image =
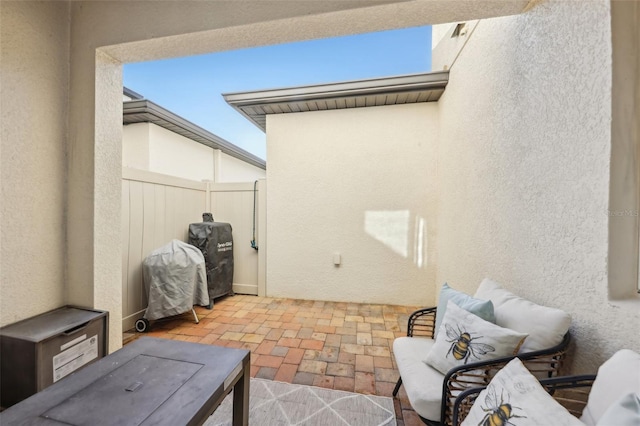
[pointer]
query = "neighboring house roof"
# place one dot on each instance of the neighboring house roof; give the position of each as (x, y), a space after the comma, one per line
(145, 111)
(131, 94)
(403, 89)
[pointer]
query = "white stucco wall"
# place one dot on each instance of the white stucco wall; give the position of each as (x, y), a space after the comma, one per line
(230, 169)
(361, 187)
(524, 168)
(147, 146)
(173, 154)
(135, 145)
(438, 32)
(34, 65)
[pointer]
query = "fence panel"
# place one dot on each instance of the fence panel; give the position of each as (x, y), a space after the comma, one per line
(158, 208)
(234, 203)
(155, 209)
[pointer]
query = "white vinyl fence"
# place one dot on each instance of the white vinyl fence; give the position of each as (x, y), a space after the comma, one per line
(158, 208)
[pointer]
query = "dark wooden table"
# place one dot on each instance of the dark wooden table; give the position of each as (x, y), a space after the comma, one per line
(148, 382)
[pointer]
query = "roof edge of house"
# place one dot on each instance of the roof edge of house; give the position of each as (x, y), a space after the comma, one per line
(255, 105)
(143, 110)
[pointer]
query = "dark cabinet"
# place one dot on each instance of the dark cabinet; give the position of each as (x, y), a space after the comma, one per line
(39, 351)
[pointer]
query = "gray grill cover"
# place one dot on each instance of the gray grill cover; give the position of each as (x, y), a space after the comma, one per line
(175, 279)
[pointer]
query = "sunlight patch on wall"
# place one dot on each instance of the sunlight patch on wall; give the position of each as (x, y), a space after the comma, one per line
(390, 228)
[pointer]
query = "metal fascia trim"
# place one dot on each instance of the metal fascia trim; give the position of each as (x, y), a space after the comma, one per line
(414, 82)
(349, 89)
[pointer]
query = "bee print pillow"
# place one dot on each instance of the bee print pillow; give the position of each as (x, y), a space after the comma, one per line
(465, 338)
(515, 397)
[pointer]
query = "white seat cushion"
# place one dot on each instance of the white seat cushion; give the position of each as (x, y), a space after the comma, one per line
(422, 383)
(545, 326)
(618, 376)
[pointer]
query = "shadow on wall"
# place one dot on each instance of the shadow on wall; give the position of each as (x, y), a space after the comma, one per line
(393, 229)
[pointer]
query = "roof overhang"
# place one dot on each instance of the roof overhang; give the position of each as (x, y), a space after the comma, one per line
(404, 89)
(145, 111)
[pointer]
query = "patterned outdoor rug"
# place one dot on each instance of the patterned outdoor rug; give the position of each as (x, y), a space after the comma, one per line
(283, 404)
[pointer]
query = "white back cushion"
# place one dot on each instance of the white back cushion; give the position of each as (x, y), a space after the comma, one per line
(545, 326)
(618, 376)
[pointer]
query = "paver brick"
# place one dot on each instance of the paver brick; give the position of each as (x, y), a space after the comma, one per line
(382, 362)
(344, 383)
(363, 327)
(286, 373)
(315, 367)
(303, 378)
(268, 361)
(353, 349)
(230, 335)
(294, 356)
(333, 340)
(288, 342)
(252, 338)
(274, 334)
(365, 383)
(323, 381)
(377, 351)
(329, 354)
(364, 363)
(265, 347)
(386, 375)
(338, 369)
(279, 351)
(363, 339)
(311, 344)
(266, 373)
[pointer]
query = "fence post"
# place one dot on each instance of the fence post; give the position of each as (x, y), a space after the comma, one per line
(262, 237)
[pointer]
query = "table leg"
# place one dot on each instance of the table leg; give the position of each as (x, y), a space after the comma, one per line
(241, 399)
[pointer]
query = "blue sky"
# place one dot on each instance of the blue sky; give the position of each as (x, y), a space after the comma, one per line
(191, 87)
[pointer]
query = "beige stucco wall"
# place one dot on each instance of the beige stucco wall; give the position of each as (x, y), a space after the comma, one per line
(362, 187)
(174, 155)
(438, 32)
(135, 146)
(524, 168)
(230, 169)
(147, 146)
(34, 85)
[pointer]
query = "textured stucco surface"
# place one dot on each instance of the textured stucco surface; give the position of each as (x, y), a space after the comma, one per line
(147, 146)
(524, 168)
(34, 65)
(135, 146)
(362, 187)
(174, 155)
(230, 169)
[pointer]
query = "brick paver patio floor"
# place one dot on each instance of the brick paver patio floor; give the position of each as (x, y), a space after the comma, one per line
(345, 346)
